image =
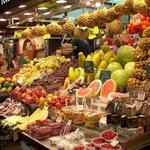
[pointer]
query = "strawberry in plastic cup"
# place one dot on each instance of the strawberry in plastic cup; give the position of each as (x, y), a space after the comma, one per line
(109, 135)
(79, 148)
(90, 146)
(107, 146)
(97, 141)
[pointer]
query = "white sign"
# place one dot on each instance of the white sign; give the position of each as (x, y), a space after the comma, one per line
(3, 2)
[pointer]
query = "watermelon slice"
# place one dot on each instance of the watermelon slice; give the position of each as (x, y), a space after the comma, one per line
(96, 86)
(108, 87)
(84, 92)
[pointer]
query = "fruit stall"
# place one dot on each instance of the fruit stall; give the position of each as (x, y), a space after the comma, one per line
(100, 101)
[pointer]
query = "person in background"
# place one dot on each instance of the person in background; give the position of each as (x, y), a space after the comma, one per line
(8, 55)
(80, 42)
(3, 66)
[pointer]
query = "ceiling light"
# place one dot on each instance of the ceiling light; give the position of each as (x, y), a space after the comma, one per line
(42, 8)
(7, 13)
(22, 6)
(15, 18)
(67, 6)
(2, 19)
(27, 14)
(97, 4)
(61, 1)
(47, 13)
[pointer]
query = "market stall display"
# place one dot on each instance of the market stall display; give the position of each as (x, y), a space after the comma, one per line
(96, 102)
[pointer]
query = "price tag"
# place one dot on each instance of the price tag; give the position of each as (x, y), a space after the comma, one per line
(76, 131)
(141, 95)
(88, 67)
(105, 75)
(114, 143)
(133, 93)
(69, 122)
(59, 119)
(148, 71)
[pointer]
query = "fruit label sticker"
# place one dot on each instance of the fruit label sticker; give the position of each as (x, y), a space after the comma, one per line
(105, 75)
(88, 67)
(148, 71)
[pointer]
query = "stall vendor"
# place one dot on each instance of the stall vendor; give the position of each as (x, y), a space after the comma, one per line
(81, 41)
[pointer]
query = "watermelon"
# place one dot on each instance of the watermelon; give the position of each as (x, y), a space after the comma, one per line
(95, 86)
(84, 92)
(108, 87)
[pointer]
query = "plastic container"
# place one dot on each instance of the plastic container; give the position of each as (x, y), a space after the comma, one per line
(107, 146)
(90, 146)
(79, 148)
(109, 135)
(97, 142)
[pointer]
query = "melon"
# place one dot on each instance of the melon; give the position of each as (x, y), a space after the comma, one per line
(84, 92)
(108, 87)
(95, 86)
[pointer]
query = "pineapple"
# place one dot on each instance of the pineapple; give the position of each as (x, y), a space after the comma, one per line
(147, 2)
(146, 32)
(144, 43)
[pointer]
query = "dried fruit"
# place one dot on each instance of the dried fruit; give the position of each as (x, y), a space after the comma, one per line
(144, 43)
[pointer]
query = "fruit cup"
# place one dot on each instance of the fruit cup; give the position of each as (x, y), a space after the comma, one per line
(90, 146)
(107, 146)
(109, 135)
(97, 142)
(79, 148)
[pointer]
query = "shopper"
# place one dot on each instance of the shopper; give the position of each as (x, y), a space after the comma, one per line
(81, 41)
(8, 55)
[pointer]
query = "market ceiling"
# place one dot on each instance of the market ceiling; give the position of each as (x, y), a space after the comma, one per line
(18, 14)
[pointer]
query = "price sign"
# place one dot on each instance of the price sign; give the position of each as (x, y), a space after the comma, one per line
(141, 95)
(88, 67)
(148, 71)
(105, 75)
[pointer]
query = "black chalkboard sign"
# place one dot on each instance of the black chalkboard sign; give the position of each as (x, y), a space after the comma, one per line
(88, 67)
(105, 75)
(148, 71)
